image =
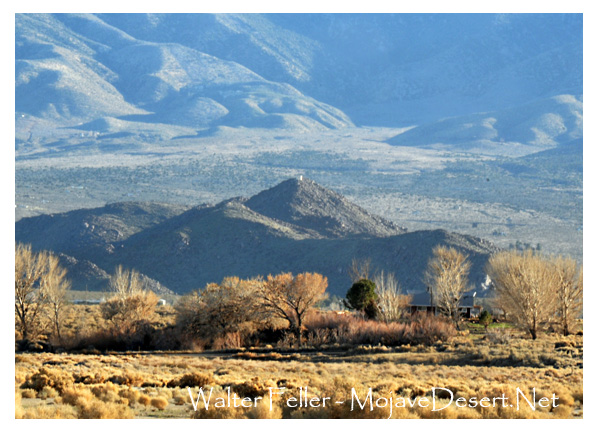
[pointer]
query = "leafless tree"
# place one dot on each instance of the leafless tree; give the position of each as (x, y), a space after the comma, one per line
(392, 304)
(525, 284)
(569, 293)
(359, 269)
(229, 307)
(125, 283)
(131, 307)
(41, 285)
(447, 277)
(30, 295)
(56, 285)
(290, 298)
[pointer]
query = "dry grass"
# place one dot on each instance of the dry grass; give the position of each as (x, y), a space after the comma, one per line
(332, 328)
(105, 410)
(49, 412)
(84, 386)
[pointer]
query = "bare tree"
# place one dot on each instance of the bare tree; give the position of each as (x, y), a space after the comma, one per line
(569, 293)
(131, 307)
(525, 284)
(30, 295)
(125, 283)
(290, 298)
(56, 285)
(447, 276)
(392, 304)
(359, 269)
(229, 307)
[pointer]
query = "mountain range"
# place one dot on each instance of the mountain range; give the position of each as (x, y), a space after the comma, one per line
(174, 75)
(297, 225)
(467, 122)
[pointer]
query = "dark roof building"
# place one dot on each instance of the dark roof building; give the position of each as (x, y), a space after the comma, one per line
(423, 301)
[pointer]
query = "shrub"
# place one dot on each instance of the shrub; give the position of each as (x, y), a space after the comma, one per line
(231, 340)
(262, 410)
(97, 378)
(105, 410)
(107, 392)
(193, 379)
(485, 318)
(128, 378)
(77, 396)
(429, 329)
(349, 329)
(129, 394)
(49, 412)
(499, 336)
(49, 378)
(180, 399)
(252, 389)
(159, 402)
(144, 399)
(47, 392)
(18, 404)
(131, 310)
(28, 394)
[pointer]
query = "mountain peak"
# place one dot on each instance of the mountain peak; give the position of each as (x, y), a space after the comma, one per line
(305, 203)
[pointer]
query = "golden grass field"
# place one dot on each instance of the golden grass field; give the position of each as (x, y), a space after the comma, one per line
(154, 384)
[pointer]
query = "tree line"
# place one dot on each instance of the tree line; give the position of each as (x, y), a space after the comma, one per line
(532, 290)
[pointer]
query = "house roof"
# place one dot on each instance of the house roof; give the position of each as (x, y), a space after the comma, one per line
(423, 298)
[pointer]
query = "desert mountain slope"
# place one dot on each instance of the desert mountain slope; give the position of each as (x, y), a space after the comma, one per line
(57, 74)
(300, 72)
(76, 67)
(306, 228)
(305, 203)
(530, 128)
(87, 233)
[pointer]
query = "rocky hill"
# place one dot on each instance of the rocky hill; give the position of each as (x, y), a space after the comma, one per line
(295, 226)
(87, 233)
(304, 203)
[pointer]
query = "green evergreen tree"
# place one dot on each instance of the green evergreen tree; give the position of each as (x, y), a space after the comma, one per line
(485, 318)
(362, 297)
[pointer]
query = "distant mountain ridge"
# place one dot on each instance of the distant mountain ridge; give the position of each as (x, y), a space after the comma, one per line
(299, 72)
(307, 228)
(73, 68)
(541, 124)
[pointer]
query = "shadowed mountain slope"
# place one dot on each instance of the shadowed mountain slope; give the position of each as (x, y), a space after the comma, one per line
(87, 233)
(295, 226)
